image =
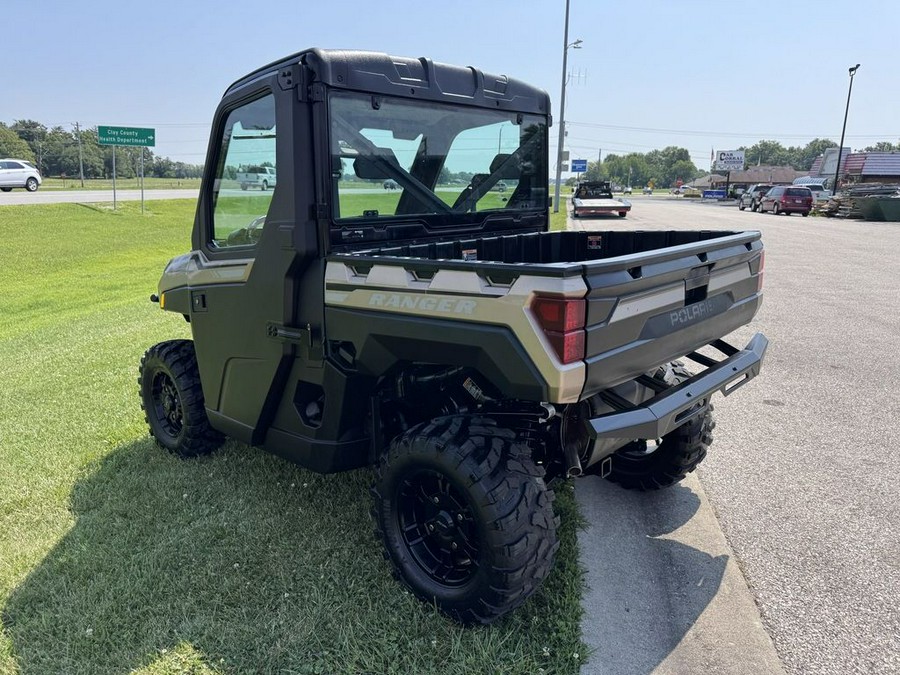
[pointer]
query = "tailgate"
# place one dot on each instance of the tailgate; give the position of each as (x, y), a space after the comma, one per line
(649, 308)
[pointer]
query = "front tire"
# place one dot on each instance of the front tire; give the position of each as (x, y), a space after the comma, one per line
(172, 400)
(622, 214)
(465, 517)
(652, 465)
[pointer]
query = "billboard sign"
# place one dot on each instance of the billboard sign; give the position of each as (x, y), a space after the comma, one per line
(730, 160)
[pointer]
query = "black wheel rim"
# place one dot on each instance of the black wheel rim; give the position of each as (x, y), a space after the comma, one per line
(438, 527)
(167, 405)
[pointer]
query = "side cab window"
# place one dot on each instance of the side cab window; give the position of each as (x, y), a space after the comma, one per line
(246, 175)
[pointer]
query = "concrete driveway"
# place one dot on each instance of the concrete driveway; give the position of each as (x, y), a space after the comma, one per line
(800, 476)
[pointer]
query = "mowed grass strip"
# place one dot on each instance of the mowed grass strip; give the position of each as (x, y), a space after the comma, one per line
(117, 557)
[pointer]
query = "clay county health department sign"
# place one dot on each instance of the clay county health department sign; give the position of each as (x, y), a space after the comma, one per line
(730, 160)
(126, 136)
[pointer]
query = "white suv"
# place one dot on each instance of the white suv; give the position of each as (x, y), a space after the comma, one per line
(17, 173)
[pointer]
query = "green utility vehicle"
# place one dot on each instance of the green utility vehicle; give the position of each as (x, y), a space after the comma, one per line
(437, 331)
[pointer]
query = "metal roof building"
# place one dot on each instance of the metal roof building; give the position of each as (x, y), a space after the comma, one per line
(863, 167)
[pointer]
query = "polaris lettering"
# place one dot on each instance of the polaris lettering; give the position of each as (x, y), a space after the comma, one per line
(691, 313)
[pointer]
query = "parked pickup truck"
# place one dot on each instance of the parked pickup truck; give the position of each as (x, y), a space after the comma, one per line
(595, 198)
(262, 177)
(447, 339)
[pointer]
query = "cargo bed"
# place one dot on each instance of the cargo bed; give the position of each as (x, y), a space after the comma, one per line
(650, 296)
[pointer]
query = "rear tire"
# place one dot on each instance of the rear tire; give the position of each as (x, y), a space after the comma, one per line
(741, 206)
(172, 400)
(775, 210)
(804, 213)
(652, 465)
(465, 517)
(31, 184)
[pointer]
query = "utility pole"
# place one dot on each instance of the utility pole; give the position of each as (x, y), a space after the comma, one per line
(837, 169)
(80, 156)
(562, 110)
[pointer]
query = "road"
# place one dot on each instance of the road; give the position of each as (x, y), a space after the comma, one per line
(801, 473)
(17, 197)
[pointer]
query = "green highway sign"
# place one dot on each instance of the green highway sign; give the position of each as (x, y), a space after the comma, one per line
(126, 136)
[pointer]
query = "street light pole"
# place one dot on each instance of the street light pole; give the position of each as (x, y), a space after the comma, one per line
(837, 169)
(562, 109)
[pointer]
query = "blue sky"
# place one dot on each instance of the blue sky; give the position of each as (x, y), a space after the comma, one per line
(699, 75)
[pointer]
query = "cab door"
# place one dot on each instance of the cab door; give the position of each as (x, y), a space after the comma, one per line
(242, 262)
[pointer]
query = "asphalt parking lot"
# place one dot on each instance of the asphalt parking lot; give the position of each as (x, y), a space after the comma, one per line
(801, 475)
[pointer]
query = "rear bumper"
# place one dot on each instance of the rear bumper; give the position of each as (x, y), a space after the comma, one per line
(678, 405)
(600, 210)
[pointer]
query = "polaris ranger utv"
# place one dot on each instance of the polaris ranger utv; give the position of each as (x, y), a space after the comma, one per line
(438, 331)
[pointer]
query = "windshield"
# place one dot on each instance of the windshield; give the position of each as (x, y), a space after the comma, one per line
(394, 158)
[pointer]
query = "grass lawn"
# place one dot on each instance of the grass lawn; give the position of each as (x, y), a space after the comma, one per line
(116, 557)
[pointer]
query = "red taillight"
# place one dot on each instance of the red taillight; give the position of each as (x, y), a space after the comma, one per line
(559, 314)
(562, 320)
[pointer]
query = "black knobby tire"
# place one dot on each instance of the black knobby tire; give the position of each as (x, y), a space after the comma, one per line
(466, 519)
(651, 465)
(172, 400)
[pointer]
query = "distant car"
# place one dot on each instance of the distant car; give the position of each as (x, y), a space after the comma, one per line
(751, 197)
(648, 191)
(819, 193)
(501, 186)
(19, 173)
(626, 190)
(390, 184)
(787, 199)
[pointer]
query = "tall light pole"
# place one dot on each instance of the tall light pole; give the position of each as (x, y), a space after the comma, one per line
(562, 109)
(837, 169)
